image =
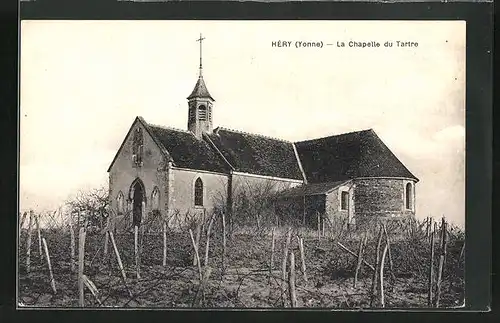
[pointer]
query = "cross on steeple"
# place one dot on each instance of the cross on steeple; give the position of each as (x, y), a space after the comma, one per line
(201, 43)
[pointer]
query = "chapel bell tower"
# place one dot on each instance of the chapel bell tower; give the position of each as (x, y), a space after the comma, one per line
(200, 104)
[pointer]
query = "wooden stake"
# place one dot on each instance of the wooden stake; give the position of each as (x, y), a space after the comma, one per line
(81, 264)
(136, 251)
(142, 226)
(319, 223)
(106, 239)
(431, 270)
(360, 258)
(28, 244)
(207, 245)
(198, 236)
(223, 240)
(302, 257)
(353, 254)
(106, 243)
(40, 252)
(441, 262)
(374, 277)
(164, 244)
(445, 240)
(283, 266)
(197, 256)
(117, 254)
(90, 285)
(23, 218)
(381, 279)
(52, 282)
(438, 283)
(388, 241)
(291, 281)
(431, 226)
(72, 246)
(271, 262)
(303, 212)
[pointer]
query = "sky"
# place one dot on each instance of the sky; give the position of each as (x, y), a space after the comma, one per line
(84, 82)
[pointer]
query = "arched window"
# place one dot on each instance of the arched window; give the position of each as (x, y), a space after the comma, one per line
(344, 200)
(408, 196)
(119, 203)
(155, 199)
(202, 113)
(198, 192)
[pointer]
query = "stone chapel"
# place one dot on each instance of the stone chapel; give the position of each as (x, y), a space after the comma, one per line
(161, 170)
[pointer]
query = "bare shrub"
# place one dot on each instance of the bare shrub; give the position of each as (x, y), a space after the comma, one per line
(91, 207)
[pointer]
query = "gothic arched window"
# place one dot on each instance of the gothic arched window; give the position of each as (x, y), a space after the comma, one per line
(138, 147)
(198, 192)
(155, 199)
(120, 203)
(408, 196)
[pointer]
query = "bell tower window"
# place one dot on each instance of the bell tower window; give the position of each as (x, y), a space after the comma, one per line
(192, 114)
(202, 113)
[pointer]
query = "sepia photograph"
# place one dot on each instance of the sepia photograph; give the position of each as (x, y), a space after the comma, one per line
(242, 164)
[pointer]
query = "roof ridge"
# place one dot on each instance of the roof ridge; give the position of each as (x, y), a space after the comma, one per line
(251, 134)
(338, 135)
(167, 127)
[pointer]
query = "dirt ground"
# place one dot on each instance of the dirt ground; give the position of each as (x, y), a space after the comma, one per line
(245, 282)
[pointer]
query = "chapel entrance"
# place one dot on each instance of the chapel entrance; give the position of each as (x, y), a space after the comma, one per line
(137, 203)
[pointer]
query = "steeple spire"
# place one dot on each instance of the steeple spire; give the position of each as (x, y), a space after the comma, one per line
(200, 103)
(201, 53)
(200, 89)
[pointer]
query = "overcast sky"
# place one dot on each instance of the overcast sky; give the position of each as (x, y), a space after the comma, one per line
(84, 82)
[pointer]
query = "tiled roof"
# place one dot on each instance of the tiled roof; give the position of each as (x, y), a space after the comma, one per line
(256, 154)
(187, 151)
(347, 156)
(326, 161)
(311, 189)
(200, 90)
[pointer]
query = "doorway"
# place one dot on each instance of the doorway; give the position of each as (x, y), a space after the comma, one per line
(137, 202)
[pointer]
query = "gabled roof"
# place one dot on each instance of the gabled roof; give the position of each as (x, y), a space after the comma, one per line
(256, 154)
(311, 189)
(182, 148)
(330, 161)
(200, 90)
(187, 151)
(347, 156)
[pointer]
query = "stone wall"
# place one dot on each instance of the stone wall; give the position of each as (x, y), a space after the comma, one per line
(182, 191)
(334, 211)
(123, 173)
(382, 197)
